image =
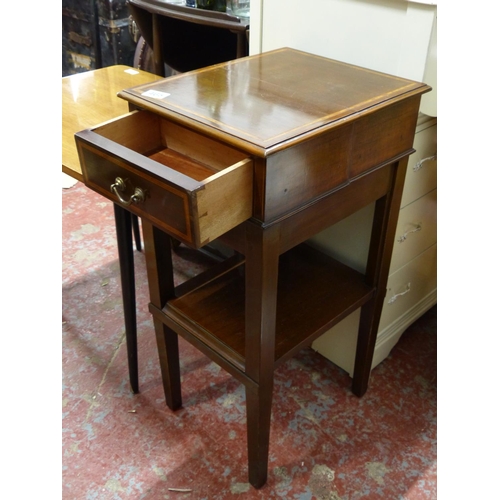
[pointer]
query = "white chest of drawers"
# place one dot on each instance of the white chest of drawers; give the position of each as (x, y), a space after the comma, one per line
(412, 284)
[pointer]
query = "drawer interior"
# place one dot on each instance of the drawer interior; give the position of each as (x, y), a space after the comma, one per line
(172, 145)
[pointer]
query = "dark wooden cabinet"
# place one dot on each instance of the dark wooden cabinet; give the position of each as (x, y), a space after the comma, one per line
(186, 38)
(95, 34)
(264, 152)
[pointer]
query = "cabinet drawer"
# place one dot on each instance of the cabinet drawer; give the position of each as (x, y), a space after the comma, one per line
(416, 230)
(409, 285)
(189, 185)
(421, 173)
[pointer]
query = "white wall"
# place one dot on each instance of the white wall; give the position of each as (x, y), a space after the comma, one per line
(392, 36)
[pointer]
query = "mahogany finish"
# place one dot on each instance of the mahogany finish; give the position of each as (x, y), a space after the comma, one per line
(204, 198)
(323, 139)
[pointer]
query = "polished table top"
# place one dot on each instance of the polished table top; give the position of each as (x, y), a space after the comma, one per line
(91, 98)
(264, 102)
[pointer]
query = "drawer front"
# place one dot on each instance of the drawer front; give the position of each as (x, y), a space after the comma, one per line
(164, 205)
(421, 174)
(416, 230)
(409, 285)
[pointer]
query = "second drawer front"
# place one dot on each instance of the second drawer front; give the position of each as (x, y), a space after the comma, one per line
(409, 285)
(416, 230)
(421, 173)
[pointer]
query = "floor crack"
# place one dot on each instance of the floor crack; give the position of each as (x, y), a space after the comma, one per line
(93, 398)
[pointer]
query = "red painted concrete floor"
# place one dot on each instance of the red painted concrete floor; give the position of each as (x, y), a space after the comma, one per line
(325, 442)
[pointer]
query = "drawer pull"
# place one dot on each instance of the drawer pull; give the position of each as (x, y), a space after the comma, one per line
(420, 163)
(418, 227)
(119, 185)
(395, 297)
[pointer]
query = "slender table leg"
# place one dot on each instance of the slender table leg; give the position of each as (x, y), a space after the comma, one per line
(259, 406)
(261, 283)
(158, 250)
(379, 259)
(137, 232)
(123, 225)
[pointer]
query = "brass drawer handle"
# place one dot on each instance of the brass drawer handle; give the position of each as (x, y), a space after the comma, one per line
(119, 185)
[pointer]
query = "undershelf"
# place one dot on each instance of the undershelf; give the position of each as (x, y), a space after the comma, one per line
(314, 293)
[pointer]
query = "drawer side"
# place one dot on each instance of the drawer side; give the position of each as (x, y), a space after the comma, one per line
(225, 201)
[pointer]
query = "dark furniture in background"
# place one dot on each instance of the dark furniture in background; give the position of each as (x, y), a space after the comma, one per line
(185, 38)
(95, 34)
(100, 33)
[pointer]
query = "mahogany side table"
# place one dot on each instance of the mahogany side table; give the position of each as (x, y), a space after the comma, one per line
(263, 152)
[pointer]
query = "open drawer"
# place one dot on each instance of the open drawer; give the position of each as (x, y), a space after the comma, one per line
(189, 185)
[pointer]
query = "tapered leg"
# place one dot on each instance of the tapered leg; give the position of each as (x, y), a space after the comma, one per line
(379, 259)
(261, 283)
(168, 352)
(137, 232)
(365, 348)
(126, 259)
(158, 250)
(258, 432)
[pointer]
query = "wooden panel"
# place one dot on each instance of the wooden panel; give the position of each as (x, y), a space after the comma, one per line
(137, 131)
(299, 226)
(306, 171)
(381, 135)
(225, 200)
(335, 207)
